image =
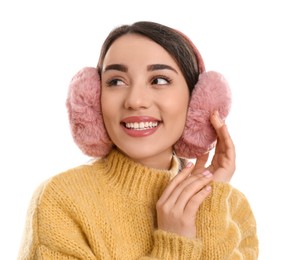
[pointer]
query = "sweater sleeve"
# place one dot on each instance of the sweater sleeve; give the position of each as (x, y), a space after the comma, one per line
(49, 232)
(168, 246)
(226, 229)
(226, 225)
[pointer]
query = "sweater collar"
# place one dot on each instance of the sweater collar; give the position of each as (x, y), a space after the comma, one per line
(132, 179)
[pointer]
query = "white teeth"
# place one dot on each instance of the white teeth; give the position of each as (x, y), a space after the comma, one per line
(141, 125)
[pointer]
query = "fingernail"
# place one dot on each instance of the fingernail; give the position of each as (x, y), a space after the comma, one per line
(189, 165)
(218, 119)
(216, 113)
(207, 174)
(208, 188)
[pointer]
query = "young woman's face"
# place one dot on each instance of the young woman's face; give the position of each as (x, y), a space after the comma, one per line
(144, 99)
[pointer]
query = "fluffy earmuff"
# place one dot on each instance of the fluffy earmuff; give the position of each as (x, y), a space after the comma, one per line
(211, 93)
(84, 110)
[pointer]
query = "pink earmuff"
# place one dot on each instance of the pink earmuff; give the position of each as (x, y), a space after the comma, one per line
(84, 108)
(211, 93)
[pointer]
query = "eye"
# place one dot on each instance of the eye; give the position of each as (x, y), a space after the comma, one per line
(161, 80)
(114, 82)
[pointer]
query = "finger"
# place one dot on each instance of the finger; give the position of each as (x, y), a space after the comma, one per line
(201, 162)
(225, 154)
(186, 192)
(216, 121)
(227, 138)
(224, 139)
(176, 181)
(195, 202)
(188, 187)
(172, 193)
(225, 142)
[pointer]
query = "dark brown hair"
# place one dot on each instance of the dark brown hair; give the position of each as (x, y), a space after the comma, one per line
(176, 44)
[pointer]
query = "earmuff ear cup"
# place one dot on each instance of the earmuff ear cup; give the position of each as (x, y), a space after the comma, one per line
(84, 111)
(211, 93)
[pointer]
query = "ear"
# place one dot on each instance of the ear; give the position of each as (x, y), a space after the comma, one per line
(211, 93)
(85, 116)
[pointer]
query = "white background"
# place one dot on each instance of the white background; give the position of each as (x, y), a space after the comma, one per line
(44, 43)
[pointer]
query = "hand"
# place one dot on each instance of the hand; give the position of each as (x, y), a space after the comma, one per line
(180, 201)
(223, 162)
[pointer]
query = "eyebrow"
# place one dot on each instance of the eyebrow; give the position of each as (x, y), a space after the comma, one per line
(118, 67)
(160, 67)
(153, 67)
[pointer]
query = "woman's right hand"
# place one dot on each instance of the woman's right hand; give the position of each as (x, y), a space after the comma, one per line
(180, 201)
(223, 162)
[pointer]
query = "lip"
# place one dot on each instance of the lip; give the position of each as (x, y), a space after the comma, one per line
(139, 119)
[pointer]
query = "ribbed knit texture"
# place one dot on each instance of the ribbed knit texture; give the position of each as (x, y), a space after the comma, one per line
(106, 210)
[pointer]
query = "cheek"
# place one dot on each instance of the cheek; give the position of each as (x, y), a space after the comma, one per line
(103, 106)
(107, 116)
(110, 108)
(181, 111)
(106, 104)
(106, 109)
(177, 110)
(178, 105)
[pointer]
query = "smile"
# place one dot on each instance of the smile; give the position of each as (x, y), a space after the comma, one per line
(141, 125)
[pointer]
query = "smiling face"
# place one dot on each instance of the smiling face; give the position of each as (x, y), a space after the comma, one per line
(144, 99)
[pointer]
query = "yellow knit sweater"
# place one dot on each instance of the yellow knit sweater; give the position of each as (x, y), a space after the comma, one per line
(106, 210)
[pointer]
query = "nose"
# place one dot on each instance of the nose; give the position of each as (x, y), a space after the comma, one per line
(138, 97)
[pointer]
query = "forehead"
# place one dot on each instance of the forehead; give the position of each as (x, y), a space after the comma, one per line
(135, 47)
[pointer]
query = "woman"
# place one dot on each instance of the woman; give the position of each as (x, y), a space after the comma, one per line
(142, 198)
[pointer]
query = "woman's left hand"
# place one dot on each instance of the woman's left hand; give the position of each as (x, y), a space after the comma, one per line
(223, 162)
